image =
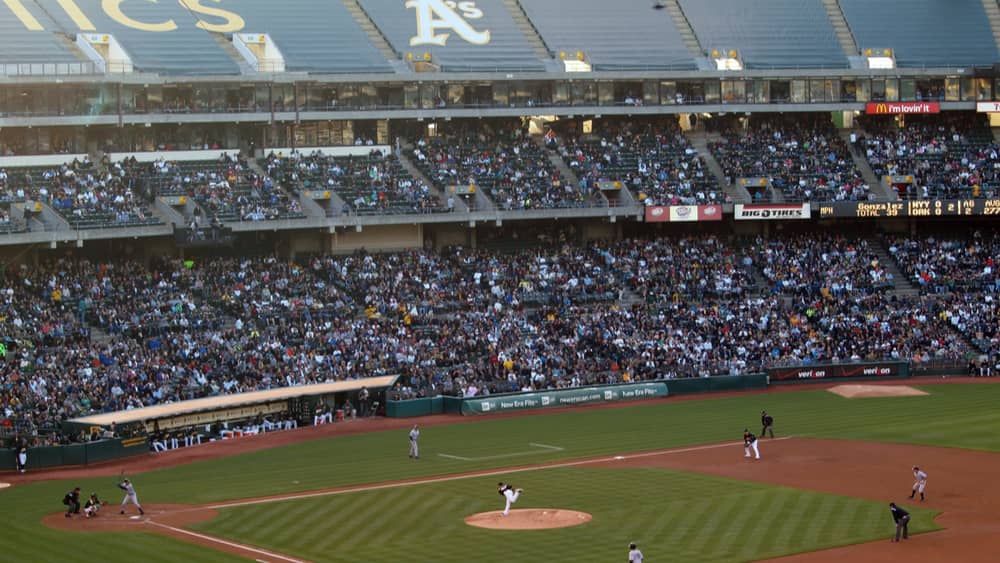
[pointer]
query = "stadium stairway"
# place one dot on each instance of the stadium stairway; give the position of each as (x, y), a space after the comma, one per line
(225, 42)
(460, 205)
(687, 32)
(375, 35)
(528, 30)
(993, 15)
(861, 163)
(904, 286)
(699, 140)
(843, 30)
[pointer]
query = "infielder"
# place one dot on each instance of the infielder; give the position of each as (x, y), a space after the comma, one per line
(130, 496)
(414, 435)
(750, 442)
(919, 482)
(510, 495)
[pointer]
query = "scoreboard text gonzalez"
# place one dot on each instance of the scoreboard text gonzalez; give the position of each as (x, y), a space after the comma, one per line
(915, 208)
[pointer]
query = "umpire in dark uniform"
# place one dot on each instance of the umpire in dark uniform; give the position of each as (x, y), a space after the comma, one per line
(72, 502)
(766, 424)
(902, 519)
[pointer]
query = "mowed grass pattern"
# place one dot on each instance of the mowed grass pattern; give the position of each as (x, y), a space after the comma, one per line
(675, 516)
(952, 415)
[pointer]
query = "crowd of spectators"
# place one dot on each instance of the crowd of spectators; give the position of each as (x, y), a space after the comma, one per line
(801, 155)
(372, 183)
(942, 264)
(949, 156)
(833, 266)
(654, 161)
(506, 163)
(227, 188)
(456, 321)
(85, 196)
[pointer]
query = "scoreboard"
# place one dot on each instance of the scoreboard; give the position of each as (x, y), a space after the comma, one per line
(914, 208)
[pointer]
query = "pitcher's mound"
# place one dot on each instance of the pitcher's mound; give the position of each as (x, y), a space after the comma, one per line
(867, 391)
(528, 519)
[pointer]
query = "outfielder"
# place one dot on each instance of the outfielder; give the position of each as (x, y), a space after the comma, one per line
(414, 435)
(130, 496)
(919, 482)
(750, 442)
(510, 495)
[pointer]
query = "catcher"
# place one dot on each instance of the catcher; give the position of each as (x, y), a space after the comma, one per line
(93, 506)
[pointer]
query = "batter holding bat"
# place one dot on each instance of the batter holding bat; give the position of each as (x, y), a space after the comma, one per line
(130, 496)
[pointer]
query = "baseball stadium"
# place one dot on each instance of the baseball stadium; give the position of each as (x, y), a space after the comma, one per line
(500, 280)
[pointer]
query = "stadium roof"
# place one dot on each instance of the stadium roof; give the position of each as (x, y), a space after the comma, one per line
(194, 37)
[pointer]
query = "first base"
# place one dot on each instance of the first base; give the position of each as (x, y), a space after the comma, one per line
(135, 517)
(619, 457)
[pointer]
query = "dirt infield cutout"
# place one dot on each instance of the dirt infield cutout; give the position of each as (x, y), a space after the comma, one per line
(855, 391)
(528, 519)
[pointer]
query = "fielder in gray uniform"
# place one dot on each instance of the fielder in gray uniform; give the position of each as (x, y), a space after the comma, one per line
(414, 436)
(130, 496)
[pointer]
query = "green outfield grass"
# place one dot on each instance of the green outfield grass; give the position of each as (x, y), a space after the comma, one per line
(952, 415)
(674, 516)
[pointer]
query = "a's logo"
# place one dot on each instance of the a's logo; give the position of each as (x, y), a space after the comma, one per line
(656, 211)
(433, 15)
(609, 395)
(546, 401)
(711, 210)
(485, 405)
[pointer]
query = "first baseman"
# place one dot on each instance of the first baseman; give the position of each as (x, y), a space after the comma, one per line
(919, 482)
(750, 442)
(130, 496)
(510, 495)
(414, 436)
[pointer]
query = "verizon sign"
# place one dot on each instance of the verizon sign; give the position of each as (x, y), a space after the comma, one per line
(892, 108)
(771, 212)
(988, 107)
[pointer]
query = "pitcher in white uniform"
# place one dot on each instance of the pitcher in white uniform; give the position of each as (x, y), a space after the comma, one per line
(510, 495)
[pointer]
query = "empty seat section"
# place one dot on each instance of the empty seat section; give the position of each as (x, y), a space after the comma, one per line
(626, 35)
(184, 49)
(472, 36)
(314, 35)
(924, 32)
(768, 33)
(21, 45)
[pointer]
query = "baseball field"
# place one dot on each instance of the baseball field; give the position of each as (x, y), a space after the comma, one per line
(668, 474)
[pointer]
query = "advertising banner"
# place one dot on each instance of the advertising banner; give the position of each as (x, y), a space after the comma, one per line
(892, 108)
(838, 371)
(771, 212)
(683, 213)
(563, 397)
(988, 107)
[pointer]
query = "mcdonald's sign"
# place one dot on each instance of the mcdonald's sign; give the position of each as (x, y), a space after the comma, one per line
(892, 108)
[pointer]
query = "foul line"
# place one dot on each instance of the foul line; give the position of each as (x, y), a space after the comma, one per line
(474, 475)
(502, 456)
(226, 543)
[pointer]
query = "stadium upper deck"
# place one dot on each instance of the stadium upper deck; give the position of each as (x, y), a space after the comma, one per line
(237, 37)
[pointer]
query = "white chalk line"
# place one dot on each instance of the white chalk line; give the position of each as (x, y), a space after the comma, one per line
(539, 449)
(221, 541)
(476, 475)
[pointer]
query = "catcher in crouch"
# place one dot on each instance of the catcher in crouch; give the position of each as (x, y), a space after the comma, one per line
(510, 495)
(93, 506)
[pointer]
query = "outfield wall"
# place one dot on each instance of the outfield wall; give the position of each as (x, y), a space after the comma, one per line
(77, 454)
(596, 394)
